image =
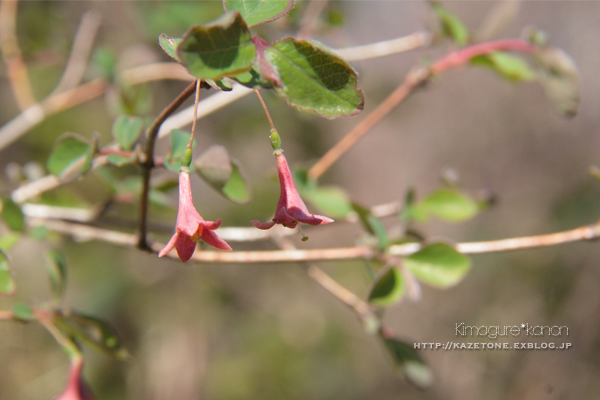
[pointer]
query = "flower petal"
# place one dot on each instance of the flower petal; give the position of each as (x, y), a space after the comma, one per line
(315, 220)
(215, 241)
(211, 225)
(169, 246)
(185, 248)
(263, 225)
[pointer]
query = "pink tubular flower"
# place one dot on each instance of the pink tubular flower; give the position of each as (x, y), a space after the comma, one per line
(190, 226)
(290, 209)
(76, 388)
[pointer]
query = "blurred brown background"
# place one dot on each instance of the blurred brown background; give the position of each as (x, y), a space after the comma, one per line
(268, 331)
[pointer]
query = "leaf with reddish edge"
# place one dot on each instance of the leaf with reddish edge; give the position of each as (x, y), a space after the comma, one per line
(221, 48)
(315, 79)
(169, 45)
(256, 12)
(265, 68)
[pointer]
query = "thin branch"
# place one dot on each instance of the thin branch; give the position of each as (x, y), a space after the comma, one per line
(413, 79)
(362, 308)
(148, 163)
(6, 315)
(85, 232)
(264, 106)
(11, 52)
(460, 57)
(416, 77)
(155, 72)
(387, 47)
(35, 114)
(80, 52)
(310, 19)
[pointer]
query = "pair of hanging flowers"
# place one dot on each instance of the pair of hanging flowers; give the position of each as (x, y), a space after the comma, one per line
(191, 227)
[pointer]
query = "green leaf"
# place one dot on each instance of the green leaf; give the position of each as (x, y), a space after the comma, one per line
(57, 274)
(236, 188)
(558, 75)
(438, 264)
(131, 99)
(12, 215)
(219, 84)
(96, 333)
(451, 25)
(331, 200)
(120, 161)
(252, 79)
(408, 363)
(23, 312)
(219, 49)
(256, 12)
(126, 130)
(413, 211)
(223, 174)
(7, 284)
(450, 204)
(179, 140)
(71, 157)
(315, 79)
(510, 67)
(169, 45)
(387, 288)
(8, 240)
(372, 224)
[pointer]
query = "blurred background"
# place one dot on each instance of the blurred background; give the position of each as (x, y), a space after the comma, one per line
(267, 330)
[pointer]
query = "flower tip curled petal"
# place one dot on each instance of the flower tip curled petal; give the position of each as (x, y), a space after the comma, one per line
(214, 240)
(262, 225)
(316, 220)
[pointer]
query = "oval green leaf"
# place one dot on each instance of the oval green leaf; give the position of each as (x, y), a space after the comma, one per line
(256, 12)
(12, 215)
(169, 45)
(179, 140)
(510, 67)
(438, 264)
(57, 274)
(7, 284)
(559, 77)
(70, 158)
(451, 25)
(450, 204)
(331, 200)
(219, 49)
(315, 79)
(217, 169)
(408, 362)
(388, 288)
(93, 331)
(126, 130)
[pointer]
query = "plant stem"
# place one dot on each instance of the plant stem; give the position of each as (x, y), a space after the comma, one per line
(11, 52)
(415, 77)
(583, 233)
(148, 163)
(195, 118)
(264, 106)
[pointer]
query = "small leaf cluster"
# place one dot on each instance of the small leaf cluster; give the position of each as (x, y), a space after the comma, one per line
(307, 74)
